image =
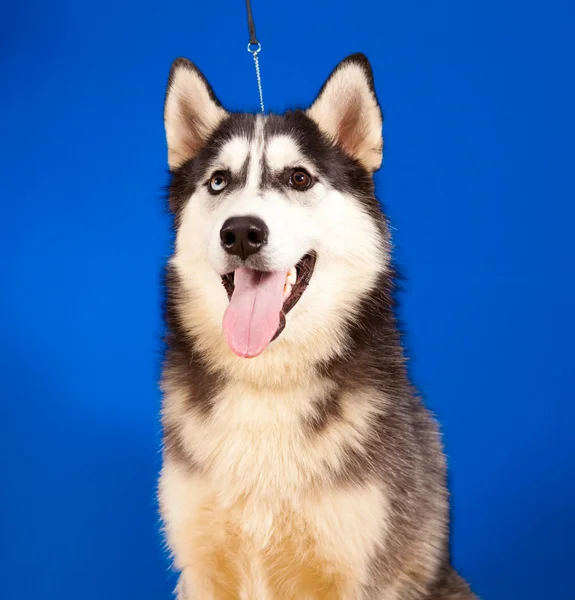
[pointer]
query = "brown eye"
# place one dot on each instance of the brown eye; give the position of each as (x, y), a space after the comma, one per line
(300, 180)
(218, 182)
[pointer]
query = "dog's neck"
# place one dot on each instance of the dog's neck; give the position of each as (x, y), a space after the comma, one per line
(370, 344)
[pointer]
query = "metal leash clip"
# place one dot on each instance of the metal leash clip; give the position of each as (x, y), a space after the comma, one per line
(254, 48)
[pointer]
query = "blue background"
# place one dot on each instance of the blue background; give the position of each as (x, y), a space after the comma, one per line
(478, 180)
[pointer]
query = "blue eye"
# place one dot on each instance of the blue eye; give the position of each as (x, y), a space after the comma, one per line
(218, 182)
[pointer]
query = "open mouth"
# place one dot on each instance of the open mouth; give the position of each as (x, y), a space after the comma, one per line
(259, 302)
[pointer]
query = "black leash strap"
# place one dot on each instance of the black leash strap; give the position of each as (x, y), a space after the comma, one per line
(254, 48)
(251, 24)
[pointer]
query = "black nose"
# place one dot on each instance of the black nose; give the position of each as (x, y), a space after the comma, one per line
(243, 236)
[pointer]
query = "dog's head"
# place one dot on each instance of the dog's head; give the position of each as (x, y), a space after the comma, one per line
(278, 234)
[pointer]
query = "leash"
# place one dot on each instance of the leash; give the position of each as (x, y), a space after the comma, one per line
(254, 48)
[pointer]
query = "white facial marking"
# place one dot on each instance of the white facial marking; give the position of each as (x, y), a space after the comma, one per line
(282, 151)
(234, 154)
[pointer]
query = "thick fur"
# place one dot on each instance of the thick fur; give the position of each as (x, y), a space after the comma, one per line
(313, 470)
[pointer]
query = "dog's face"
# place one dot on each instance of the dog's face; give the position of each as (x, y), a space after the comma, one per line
(279, 235)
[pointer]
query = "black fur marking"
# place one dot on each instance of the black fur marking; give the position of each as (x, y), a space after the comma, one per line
(403, 442)
(183, 364)
(174, 445)
(186, 179)
(242, 177)
(336, 168)
(327, 410)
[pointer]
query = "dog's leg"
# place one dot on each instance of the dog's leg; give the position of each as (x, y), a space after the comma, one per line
(204, 550)
(254, 585)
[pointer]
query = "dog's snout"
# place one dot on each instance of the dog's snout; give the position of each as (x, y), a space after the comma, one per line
(243, 236)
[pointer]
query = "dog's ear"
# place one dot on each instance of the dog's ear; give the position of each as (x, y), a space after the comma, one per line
(191, 112)
(347, 111)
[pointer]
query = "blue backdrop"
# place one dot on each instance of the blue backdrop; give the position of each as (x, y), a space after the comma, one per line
(478, 180)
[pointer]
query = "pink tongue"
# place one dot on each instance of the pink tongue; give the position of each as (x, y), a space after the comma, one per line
(253, 316)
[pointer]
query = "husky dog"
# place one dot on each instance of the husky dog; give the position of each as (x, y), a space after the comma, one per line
(299, 462)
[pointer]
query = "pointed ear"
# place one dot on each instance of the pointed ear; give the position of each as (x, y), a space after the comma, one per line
(191, 112)
(347, 111)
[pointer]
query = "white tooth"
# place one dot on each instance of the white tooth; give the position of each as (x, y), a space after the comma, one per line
(287, 290)
(292, 276)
